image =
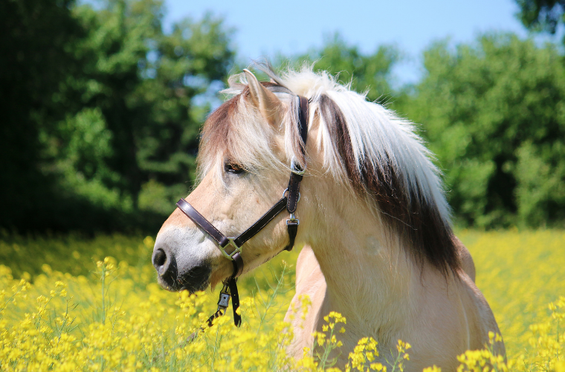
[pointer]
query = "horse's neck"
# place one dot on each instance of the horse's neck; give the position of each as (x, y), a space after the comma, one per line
(370, 279)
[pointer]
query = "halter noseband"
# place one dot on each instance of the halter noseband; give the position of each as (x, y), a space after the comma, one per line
(289, 201)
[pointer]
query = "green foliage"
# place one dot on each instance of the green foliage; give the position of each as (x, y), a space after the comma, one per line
(102, 110)
(151, 89)
(541, 15)
(36, 48)
(494, 115)
(98, 103)
(189, 66)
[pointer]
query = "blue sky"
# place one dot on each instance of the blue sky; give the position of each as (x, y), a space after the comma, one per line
(263, 28)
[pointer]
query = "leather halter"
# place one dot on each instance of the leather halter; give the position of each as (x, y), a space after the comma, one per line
(289, 201)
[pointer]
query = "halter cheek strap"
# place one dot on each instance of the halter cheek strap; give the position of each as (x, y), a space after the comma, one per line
(289, 201)
(297, 174)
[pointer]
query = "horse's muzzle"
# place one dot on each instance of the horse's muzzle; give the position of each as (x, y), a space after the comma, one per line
(170, 277)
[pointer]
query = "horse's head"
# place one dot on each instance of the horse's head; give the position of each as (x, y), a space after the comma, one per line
(244, 160)
(369, 178)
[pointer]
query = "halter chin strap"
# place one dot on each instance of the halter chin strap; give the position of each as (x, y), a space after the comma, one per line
(289, 201)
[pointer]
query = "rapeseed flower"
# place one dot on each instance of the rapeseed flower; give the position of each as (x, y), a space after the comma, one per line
(118, 318)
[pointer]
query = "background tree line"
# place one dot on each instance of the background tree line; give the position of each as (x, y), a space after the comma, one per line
(102, 110)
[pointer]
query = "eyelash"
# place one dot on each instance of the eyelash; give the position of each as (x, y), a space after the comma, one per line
(233, 168)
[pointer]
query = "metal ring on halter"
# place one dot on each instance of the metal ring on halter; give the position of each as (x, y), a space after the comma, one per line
(294, 168)
(231, 242)
(286, 190)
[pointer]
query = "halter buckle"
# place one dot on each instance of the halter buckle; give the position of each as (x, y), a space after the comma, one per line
(292, 220)
(229, 256)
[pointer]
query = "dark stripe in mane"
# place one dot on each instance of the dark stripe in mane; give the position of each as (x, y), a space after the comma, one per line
(219, 136)
(216, 130)
(428, 236)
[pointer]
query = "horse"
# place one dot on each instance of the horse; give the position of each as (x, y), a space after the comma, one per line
(373, 219)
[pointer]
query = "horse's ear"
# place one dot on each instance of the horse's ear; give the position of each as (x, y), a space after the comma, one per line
(265, 100)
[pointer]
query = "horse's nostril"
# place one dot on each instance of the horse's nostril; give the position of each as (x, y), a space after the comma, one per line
(159, 258)
(166, 265)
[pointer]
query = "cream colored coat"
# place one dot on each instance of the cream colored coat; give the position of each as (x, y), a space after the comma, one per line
(450, 317)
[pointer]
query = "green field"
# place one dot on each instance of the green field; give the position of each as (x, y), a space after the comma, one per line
(63, 306)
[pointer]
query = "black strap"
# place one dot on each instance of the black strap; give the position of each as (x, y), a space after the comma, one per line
(202, 222)
(220, 238)
(293, 192)
(292, 227)
(261, 222)
(296, 175)
(303, 112)
(237, 265)
(211, 319)
(232, 284)
(228, 291)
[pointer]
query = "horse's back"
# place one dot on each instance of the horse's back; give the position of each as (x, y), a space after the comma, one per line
(453, 317)
(483, 319)
(467, 263)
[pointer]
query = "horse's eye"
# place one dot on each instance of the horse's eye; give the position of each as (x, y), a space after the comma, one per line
(233, 168)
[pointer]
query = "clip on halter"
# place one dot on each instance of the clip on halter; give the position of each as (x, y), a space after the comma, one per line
(229, 290)
(289, 201)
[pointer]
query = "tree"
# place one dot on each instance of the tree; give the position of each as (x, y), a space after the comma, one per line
(149, 92)
(190, 66)
(36, 46)
(102, 106)
(541, 15)
(494, 114)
